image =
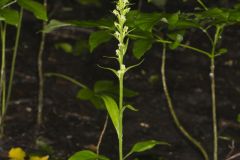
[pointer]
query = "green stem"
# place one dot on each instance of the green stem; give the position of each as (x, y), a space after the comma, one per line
(70, 79)
(3, 79)
(213, 94)
(9, 91)
(202, 4)
(120, 136)
(41, 74)
(172, 111)
(185, 46)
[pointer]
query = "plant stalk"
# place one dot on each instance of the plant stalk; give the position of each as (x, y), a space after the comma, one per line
(202, 4)
(172, 111)
(9, 91)
(3, 79)
(120, 136)
(213, 94)
(41, 74)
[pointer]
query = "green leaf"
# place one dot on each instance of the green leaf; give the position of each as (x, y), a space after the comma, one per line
(87, 155)
(222, 51)
(143, 21)
(109, 88)
(53, 25)
(145, 145)
(131, 107)
(215, 16)
(35, 7)
(85, 94)
(129, 93)
(234, 16)
(98, 103)
(9, 16)
(97, 38)
(102, 23)
(113, 111)
(66, 47)
(140, 47)
(173, 19)
(183, 24)
(102, 86)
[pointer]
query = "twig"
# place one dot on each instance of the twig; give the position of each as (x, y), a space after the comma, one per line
(234, 156)
(232, 147)
(102, 133)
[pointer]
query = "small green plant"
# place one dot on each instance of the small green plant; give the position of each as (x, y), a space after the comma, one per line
(11, 17)
(116, 111)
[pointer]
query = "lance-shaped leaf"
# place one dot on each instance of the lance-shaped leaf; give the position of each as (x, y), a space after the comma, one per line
(144, 146)
(10, 16)
(35, 7)
(102, 23)
(97, 38)
(53, 25)
(85, 94)
(87, 155)
(128, 106)
(113, 110)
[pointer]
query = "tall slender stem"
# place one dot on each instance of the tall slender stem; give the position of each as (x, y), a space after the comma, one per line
(172, 111)
(9, 91)
(213, 94)
(122, 8)
(41, 74)
(3, 79)
(202, 4)
(120, 138)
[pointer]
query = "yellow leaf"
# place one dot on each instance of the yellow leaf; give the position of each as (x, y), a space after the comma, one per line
(39, 158)
(16, 154)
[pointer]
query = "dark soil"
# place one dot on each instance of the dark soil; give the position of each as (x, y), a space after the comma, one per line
(71, 125)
